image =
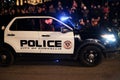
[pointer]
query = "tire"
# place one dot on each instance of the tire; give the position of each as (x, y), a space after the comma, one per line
(6, 57)
(90, 56)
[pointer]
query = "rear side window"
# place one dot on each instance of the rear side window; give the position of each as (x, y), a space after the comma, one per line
(27, 24)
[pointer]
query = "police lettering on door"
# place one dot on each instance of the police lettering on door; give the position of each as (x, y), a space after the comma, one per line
(45, 44)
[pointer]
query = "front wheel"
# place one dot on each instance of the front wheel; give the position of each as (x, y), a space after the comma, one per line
(90, 56)
(6, 57)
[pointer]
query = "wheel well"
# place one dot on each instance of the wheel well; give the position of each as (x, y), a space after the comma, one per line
(102, 48)
(7, 46)
(91, 44)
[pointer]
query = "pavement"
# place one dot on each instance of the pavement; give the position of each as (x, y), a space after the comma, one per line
(109, 69)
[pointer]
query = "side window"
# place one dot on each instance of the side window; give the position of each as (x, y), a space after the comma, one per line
(46, 24)
(27, 24)
(59, 26)
(49, 24)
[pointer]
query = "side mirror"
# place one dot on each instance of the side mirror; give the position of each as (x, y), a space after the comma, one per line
(77, 26)
(3, 28)
(64, 30)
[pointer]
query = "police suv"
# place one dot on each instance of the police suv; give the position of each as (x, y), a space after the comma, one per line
(47, 35)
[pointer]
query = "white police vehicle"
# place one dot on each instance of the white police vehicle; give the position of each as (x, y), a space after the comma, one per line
(48, 35)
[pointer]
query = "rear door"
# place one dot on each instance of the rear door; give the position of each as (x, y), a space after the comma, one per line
(22, 35)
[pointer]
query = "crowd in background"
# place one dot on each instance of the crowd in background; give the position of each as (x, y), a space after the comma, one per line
(93, 14)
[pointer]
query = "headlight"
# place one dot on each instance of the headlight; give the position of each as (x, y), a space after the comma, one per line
(109, 37)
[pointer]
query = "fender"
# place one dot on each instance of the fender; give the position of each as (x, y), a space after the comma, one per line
(87, 42)
(5, 45)
(95, 42)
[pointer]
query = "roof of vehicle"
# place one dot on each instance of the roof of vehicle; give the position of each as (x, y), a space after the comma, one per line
(34, 17)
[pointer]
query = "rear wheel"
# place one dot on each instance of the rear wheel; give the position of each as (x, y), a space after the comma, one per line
(6, 57)
(90, 56)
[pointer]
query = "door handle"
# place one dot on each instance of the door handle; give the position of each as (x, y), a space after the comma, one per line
(10, 34)
(45, 35)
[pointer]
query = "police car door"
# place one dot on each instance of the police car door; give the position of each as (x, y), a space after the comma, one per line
(59, 40)
(22, 35)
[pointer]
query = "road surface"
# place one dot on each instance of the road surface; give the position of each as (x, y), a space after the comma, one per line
(109, 69)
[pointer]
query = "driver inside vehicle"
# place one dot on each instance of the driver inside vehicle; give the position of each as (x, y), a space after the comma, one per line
(48, 25)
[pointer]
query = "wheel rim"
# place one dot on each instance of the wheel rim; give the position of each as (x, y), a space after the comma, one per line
(4, 58)
(91, 56)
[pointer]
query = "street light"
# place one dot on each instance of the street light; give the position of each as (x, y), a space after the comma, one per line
(21, 2)
(17, 2)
